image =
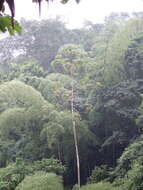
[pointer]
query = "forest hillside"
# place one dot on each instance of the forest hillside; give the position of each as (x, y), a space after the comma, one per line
(71, 106)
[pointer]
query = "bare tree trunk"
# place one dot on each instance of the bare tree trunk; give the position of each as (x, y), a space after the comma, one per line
(74, 130)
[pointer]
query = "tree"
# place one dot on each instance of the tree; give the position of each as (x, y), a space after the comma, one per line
(23, 114)
(71, 66)
(39, 42)
(114, 69)
(133, 59)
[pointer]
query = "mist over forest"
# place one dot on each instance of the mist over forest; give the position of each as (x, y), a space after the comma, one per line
(71, 105)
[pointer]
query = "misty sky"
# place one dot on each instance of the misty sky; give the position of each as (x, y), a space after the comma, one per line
(73, 14)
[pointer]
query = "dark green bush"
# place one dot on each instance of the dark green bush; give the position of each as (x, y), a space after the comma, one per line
(133, 180)
(99, 174)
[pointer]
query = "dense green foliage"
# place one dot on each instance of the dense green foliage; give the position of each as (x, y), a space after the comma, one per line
(41, 181)
(99, 186)
(14, 173)
(99, 173)
(99, 69)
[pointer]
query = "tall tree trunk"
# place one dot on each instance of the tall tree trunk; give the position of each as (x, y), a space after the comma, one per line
(74, 130)
(59, 153)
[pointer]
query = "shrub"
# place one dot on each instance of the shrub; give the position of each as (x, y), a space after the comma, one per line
(41, 181)
(13, 174)
(76, 187)
(99, 174)
(134, 178)
(99, 186)
(49, 165)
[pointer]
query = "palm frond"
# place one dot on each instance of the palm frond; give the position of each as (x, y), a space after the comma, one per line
(77, 1)
(1, 4)
(11, 5)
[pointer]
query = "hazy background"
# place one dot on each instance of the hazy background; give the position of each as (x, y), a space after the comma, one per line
(73, 14)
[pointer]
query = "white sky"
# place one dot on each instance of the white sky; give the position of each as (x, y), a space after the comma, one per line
(75, 14)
